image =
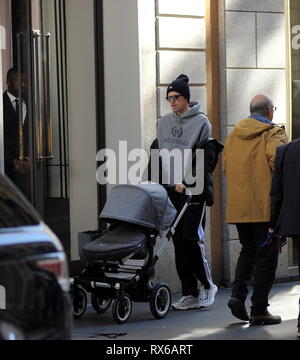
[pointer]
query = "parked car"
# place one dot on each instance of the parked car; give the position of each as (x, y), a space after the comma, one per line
(34, 280)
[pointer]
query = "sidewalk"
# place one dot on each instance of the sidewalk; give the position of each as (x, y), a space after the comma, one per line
(213, 323)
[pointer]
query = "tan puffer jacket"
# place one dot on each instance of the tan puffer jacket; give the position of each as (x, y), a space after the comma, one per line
(248, 163)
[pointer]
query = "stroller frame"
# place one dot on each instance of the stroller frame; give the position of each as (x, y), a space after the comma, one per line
(100, 278)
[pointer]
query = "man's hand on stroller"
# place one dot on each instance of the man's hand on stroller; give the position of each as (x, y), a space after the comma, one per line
(180, 188)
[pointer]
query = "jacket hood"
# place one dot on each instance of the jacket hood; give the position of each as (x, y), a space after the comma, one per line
(250, 128)
(195, 109)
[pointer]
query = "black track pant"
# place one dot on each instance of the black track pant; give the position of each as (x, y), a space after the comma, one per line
(257, 261)
(189, 247)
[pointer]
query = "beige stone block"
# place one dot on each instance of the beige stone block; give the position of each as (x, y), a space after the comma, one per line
(198, 94)
(283, 263)
(165, 270)
(271, 41)
(233, 234)
(179, 7)
(147, 36)
(173, 63)
(240, 40)
(226, 257)
(244, 84)
(255, 5)
(181, 33)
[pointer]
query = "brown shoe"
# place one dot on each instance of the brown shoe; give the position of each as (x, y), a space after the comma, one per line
(238, 309)
(265, 319)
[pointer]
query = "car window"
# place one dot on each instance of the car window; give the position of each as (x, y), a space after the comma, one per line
(15, 210)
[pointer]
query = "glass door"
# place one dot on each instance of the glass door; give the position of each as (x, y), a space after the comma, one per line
(36, 146)
(17, 110)
(51, 132)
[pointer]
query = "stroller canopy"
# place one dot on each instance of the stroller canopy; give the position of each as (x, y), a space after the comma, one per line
(147, 205)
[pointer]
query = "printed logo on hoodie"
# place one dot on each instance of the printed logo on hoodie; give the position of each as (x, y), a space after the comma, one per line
(177, 132)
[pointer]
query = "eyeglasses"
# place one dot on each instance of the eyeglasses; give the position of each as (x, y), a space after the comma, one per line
(174, 98)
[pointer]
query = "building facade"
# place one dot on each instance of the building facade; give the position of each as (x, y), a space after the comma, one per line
(109, 64)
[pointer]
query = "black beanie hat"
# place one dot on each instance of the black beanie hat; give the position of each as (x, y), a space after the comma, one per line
(181, 85)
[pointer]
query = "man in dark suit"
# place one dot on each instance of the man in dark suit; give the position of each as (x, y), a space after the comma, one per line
(285, 197)
(15, 126)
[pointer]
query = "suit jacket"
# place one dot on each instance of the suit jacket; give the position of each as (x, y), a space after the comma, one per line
(11, 135)
(285, 194)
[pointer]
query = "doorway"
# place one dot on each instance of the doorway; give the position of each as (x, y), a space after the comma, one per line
(35, 51)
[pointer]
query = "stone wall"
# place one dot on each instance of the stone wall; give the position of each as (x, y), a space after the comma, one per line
(180, 46)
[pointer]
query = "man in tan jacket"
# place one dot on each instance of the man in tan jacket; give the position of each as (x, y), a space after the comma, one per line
(248, 163)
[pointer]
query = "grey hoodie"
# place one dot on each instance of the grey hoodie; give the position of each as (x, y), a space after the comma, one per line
(181, 132)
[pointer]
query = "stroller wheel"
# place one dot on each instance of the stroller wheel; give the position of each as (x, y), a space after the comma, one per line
(122, 308)
(79, 302)
(100, 303)
(160, 300)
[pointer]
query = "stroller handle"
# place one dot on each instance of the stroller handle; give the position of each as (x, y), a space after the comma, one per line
(187, 191)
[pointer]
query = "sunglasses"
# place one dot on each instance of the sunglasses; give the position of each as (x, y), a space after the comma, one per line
(173, 98)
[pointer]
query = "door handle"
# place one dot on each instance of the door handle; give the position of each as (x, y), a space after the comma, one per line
(48, 119)
(20, 37)
(42, 111)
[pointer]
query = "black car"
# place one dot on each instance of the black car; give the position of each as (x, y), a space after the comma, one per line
(34, 281)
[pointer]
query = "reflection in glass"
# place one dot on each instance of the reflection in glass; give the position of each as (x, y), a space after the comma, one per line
(17, 164)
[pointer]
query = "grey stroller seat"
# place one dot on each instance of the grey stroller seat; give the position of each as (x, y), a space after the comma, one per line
(113, 245)
(133, 212)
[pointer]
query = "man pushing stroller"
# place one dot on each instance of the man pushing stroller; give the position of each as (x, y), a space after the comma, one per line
(188, 128)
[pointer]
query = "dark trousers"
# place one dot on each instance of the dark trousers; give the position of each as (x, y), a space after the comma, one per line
(191, 264)
(296, 241)
(259, 262)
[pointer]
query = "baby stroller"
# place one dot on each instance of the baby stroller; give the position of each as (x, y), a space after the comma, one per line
(137, 215)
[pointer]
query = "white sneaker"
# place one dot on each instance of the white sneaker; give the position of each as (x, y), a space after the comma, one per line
(207, 296)
(187, 302)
